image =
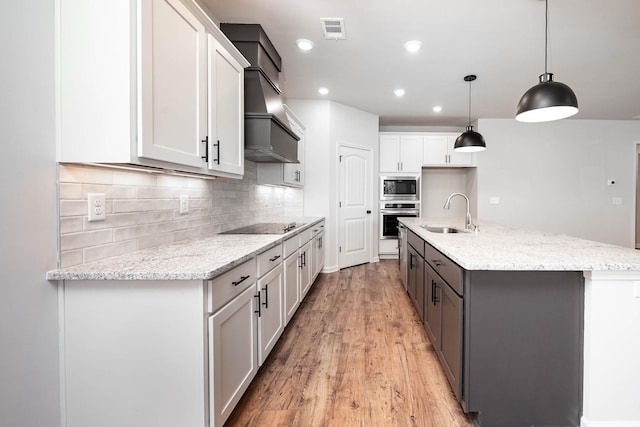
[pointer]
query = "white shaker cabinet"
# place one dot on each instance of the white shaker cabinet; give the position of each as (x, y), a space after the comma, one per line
(438, 151)
(400, 153)
(291, 277)
(226, 113)
(134, 87)
(173, 83)
(270, 291)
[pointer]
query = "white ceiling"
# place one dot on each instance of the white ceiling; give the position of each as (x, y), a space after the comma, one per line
(595, 49)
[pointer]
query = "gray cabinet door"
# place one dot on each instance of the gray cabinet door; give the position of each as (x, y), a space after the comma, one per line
(451, 337)
(432, 306)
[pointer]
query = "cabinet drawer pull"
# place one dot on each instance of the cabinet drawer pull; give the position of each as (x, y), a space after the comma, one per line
(242, 279)
(274, 258)
(436, 262)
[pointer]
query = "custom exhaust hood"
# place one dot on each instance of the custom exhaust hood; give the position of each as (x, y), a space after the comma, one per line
(268, 137)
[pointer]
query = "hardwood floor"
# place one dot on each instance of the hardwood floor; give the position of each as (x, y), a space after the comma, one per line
(355, 354)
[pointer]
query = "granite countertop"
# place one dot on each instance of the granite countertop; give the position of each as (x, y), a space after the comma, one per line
(497, 247)
(198, 259)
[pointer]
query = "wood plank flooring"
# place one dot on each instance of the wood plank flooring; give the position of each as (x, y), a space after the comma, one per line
(355, 354)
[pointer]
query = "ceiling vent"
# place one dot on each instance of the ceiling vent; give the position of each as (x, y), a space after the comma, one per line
(333, 28)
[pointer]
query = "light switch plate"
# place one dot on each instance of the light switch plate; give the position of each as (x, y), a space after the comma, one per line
(97, 207)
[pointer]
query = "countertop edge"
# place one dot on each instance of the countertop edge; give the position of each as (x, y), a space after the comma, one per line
(88, 271)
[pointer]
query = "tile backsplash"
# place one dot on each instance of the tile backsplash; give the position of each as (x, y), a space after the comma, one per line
(143, 209)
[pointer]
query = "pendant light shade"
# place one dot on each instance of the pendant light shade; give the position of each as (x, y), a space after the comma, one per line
(470, 140)
(548, 100)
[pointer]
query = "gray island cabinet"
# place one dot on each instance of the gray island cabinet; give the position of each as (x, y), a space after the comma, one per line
(510, 314)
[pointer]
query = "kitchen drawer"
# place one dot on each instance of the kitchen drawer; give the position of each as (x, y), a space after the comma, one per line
(305, 236)
(290, 246)
(416, 241)
(317, 228)
(447, 269)
(269, 259)
(225, 287)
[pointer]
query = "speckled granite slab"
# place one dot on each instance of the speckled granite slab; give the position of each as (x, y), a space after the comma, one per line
(199, 259)
(502, 248)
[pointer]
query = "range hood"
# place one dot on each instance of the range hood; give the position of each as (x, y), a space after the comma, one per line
(268, 137)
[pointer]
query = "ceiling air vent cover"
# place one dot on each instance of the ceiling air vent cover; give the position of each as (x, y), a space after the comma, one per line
(333, 28)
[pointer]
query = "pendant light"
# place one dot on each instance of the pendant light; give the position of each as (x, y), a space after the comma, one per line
(548, 100)
(470, 140)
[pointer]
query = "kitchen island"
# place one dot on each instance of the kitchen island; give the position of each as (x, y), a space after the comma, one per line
(173, 335)
(546, 324)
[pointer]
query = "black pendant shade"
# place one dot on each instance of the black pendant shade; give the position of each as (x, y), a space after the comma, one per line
(470, 140)
(547, 101)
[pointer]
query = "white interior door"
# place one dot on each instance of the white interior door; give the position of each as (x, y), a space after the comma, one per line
(355, 206)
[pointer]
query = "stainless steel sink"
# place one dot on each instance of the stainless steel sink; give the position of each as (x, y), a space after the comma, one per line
(442, 229)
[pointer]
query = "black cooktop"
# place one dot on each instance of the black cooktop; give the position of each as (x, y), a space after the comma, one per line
(265, 228)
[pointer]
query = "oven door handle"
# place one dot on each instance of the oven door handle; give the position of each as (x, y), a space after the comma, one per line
(399, 211)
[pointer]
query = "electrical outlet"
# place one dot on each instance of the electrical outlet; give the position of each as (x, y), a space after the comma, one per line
(97, 207)
(184, 203)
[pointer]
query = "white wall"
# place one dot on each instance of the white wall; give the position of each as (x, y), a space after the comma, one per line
(438, 184)
(29, 384)
(327, 125)
(553, 177)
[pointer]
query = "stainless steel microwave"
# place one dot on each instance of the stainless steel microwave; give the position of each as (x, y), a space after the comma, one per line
(399, 188)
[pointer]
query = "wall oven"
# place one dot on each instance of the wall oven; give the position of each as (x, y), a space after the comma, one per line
(399, 188)
(389, 214)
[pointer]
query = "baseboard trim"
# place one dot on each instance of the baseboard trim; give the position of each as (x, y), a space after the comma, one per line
(585, 422)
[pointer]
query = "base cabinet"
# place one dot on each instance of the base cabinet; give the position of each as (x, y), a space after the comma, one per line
(233, 359)
(305, 268)
(271, 311)
(291, 286)
(510, 342)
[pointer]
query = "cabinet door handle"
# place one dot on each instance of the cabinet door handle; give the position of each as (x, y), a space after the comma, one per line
(274, 258)
(266, 296)
(410, 261)
(242, 279)
(217, 145)
(434, 291)
(304, 258)
(300, 258)
(205, 141)
(258, 312)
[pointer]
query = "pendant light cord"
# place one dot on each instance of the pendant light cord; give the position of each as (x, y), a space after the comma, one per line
(469, 104)
(546, 34)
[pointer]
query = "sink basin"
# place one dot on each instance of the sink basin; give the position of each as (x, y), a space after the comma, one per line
(442, 229)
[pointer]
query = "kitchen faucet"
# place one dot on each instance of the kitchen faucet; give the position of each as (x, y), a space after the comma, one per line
(447, 205)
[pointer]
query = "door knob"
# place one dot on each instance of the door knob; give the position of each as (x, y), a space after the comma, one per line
(368, 211)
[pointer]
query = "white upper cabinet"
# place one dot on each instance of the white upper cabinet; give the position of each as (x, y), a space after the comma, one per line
(140, 83)
(400, 153)
(173, 83)
(226, 115)
(438, 151)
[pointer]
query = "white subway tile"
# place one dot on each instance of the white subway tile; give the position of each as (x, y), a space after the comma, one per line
(70, 258)
(70, 191)
(137, 231)
(112, 221)
(71, 224)
(155, 240)
(73, 207)
(85, 239)
(134, 178)
(105, 251)
(85, 174)
(133, 205)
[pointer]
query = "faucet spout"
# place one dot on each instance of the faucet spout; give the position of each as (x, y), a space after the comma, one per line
(447, 205)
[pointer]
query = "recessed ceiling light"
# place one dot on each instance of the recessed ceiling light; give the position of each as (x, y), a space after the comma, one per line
(304, 44)
(437, 109)
(413, 46)
(323, 91)
(399, 92)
